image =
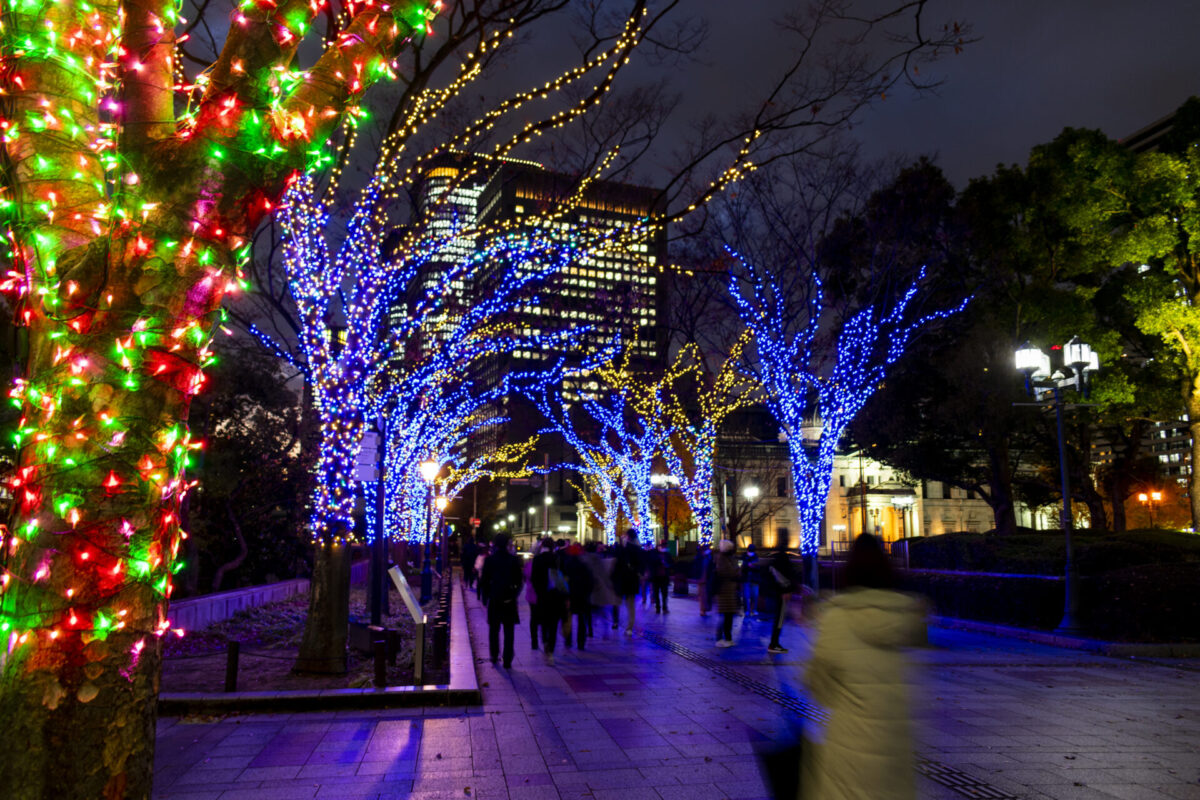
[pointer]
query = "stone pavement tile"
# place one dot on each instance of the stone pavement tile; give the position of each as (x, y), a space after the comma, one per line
(292, 789)
(1180, 791)
(523, 764)
(701, 791)
(1126, 791)
(171, 794)
(329, 770)
(1069, 792)
(258, 774)
(289, 757)
(706, 773)
(424, 783)
(639, 793)
(208, 776)
(742, 790)
(533, 793)
(532, 779)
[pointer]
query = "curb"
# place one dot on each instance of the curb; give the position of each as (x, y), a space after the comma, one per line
(463, 689)
(1118, 649)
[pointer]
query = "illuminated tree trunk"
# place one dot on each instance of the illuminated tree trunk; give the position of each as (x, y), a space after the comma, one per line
(124, 228)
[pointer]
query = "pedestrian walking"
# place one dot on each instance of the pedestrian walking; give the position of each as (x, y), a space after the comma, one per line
(728, 594)
(603, 595)
(469, 551)
(535, 620)
(781, 579)
(625, 575)
(858, 672)
(579, 583)
(551, 587)
(499, 588)
(750, 577)
(704, 571)
(660, 576)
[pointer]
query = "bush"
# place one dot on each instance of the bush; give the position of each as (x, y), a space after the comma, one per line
(1137, 586)
(1043, 552)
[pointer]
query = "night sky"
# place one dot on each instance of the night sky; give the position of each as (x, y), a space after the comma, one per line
(1039, 66)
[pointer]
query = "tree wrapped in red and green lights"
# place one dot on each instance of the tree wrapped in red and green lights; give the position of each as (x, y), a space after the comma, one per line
(130, 195)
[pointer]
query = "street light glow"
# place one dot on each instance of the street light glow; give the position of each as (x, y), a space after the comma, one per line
(429, 470)
(751, 492)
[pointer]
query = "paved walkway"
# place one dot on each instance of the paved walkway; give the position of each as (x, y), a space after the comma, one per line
(666, 716)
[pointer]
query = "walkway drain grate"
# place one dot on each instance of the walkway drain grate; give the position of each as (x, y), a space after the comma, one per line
(939, 773)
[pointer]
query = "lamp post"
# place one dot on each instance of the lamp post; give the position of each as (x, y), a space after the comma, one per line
(665, 482)
(441, 503)
(751, 494)
(429, 471)
(1079, 361)
(532, 513)
(547, 501)
(1150, 499)
(903, 503)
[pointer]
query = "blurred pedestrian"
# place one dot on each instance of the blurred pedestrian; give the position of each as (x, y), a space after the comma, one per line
(580, 585)
(858, 671)
(535, 620)
(499, 589)
(780, 579)
(626, 575)
(750, 576)
(660, 562)
(704, 571)
(728, 572)
(551, 587)
(603, 596)
(469, 551)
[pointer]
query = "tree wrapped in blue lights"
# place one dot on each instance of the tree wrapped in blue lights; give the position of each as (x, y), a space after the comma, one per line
(694, 405)
(614, 431)
(804, 383)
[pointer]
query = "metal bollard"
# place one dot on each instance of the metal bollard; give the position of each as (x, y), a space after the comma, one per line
(231, 666)
(419, 654)
(440, 639)
(380, 663)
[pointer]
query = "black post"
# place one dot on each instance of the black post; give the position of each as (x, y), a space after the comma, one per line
(231, 666)
(378, 574)
(1070, 620)
(380, 663)
(427, 566)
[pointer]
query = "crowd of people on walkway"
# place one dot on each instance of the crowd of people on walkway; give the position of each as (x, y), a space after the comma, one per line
(856, 671)
(571, 588)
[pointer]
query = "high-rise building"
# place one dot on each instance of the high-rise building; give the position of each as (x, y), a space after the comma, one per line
(614, 290)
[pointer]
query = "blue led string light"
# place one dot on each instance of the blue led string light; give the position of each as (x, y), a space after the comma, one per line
(795, 386)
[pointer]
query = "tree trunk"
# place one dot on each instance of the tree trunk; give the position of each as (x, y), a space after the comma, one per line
(1193, 409)
(1118, 490)
(243, 550)
(1004, 512)
(323, 648)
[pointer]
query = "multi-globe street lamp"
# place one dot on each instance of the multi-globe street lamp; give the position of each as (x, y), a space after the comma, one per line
(429, 471)
(1042, 381)
(665, 482)
(1150, 500)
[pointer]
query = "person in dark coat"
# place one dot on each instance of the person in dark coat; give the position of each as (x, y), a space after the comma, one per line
(750, 580)
(726, 567)
(552, 597)
(780, 580)
(499, 588)
(580, 583)
(469, 551)
(626, 572)
(659, 568)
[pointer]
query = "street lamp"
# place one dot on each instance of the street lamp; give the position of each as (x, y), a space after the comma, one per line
(429, 470)
(1079, 361)
(441, 502)
(532, 512)
(1150, 499)
(751, 493)
(665, 482)
(903, 503)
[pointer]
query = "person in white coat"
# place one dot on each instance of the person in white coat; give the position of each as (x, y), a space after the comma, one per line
(859, 673)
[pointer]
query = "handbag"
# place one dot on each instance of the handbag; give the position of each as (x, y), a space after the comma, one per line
(780, 762)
